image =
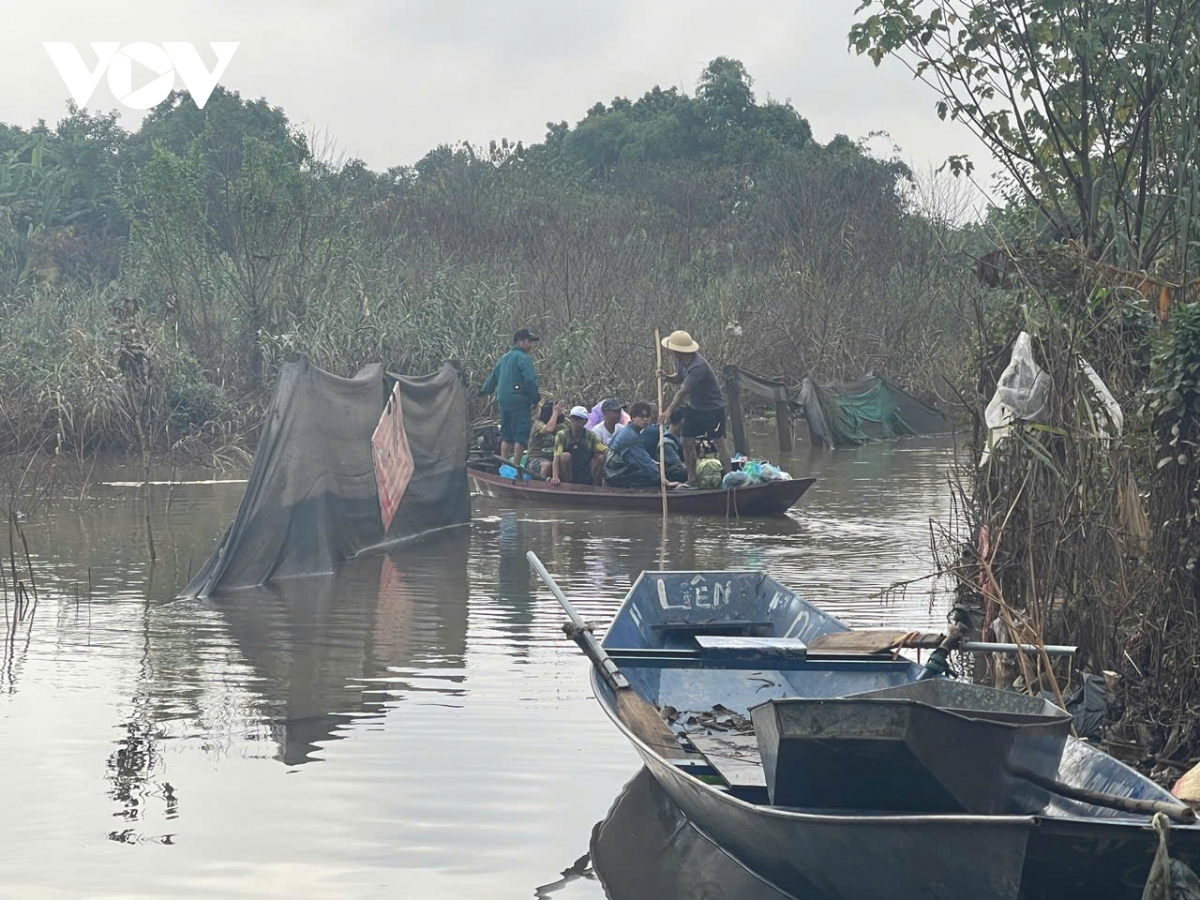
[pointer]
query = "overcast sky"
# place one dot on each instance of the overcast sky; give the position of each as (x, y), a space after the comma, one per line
(388, 81)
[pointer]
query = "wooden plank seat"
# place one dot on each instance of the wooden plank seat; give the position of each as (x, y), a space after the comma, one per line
(735, 758)
(868, 642)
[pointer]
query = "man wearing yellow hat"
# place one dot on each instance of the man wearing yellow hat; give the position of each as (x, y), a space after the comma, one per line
(700, 398)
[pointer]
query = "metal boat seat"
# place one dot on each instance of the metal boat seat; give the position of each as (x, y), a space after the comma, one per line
(764, 649)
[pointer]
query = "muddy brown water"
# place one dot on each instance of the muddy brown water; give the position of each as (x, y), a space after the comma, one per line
(416, 726)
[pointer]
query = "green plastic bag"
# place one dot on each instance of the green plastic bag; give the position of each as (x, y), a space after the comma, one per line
(708, 473)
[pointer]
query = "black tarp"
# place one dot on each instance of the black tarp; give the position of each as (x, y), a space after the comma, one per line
(312, 500)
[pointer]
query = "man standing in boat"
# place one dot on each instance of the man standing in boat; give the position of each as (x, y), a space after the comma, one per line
(700, 398)
(515, 384)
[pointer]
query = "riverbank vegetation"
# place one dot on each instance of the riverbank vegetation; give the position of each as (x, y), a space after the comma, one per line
(1084, 526)
(151, 282)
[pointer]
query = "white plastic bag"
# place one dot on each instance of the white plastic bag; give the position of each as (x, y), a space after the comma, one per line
(1112, 410)
(1020, 394)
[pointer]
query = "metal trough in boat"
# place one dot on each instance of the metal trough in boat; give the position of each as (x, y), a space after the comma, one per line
(929, 746)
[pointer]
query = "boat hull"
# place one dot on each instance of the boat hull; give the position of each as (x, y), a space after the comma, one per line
(772, 498)
(673, 638)
(919, 857)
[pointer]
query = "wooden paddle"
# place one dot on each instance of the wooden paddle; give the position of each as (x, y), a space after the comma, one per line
(639, 715)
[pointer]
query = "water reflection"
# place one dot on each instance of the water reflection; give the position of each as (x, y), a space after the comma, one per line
(461, 752)
(321, 646)
(646, 848)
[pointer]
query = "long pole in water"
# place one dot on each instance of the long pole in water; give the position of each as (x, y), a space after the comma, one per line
(662, 470)
(988, 647)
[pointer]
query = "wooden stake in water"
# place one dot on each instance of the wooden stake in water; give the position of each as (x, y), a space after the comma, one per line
(662, 469)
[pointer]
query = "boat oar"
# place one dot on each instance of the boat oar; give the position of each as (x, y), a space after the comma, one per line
(1176, 812)
(638, 714)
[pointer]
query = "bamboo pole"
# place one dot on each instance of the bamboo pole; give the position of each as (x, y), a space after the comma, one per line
(662, 471)
(733, 399)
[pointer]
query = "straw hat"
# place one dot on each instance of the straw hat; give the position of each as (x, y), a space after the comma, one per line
(680, 342)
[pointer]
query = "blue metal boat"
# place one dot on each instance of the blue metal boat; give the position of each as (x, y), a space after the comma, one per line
(707, 647)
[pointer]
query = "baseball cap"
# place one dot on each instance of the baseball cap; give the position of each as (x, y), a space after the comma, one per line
(578, 412)
(524, 334)
(612, 404)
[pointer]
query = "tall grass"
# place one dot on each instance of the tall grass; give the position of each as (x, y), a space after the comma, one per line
(811, 271)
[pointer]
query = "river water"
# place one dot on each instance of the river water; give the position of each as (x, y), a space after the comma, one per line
(415, 727)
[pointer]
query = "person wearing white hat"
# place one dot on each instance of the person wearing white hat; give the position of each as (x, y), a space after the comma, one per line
(700, 398)
(578, 453)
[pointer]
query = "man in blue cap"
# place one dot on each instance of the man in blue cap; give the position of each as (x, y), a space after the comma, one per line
(515, 384)
(606, 429)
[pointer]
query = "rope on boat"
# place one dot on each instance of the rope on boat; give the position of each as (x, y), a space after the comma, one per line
(1169, 879)
(906, 641)
(574, 632)
(731, 492)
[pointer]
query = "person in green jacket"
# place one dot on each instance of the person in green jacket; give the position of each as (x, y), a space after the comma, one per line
(515, 385)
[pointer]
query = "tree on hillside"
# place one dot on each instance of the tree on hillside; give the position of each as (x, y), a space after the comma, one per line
(724, 88)
(228, 119)
(60, 215)
(721, 125)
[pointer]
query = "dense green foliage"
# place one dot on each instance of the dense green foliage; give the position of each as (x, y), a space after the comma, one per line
(215, 242)
(1091, 107)
(1090, 533)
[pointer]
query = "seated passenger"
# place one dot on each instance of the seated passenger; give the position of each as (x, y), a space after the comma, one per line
(541, 439)
(629, 463)
(672, 453)
(578, 453)
(597, 415)
(606, 429)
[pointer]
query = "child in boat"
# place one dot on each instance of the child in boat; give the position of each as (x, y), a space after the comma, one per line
(541, 438)
(629, 464)
(672, 449)
(578, 453)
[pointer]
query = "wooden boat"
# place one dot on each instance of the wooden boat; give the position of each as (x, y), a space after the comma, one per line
(708, 646)
(772, 498)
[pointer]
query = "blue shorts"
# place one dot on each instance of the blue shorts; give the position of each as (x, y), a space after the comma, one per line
(515, 424)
